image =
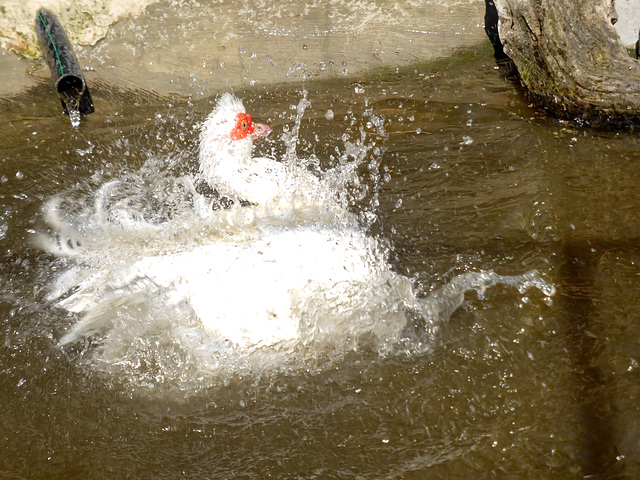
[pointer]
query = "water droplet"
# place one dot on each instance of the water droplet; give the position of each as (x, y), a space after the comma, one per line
(466, 140)
(359, 88)
(304, 47)
(329, 114)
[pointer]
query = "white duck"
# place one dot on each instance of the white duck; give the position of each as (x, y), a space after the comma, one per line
(256, 287)
(226, 163)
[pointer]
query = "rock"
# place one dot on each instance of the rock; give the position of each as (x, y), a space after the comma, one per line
(571, 60)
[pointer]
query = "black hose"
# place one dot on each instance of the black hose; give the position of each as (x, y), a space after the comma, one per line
(63, 64)
(491, 29)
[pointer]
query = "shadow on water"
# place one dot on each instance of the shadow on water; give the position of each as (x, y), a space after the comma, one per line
(599, 452)
(584, 337)
(469, 178)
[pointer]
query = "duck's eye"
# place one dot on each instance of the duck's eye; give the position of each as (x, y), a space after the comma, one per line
(243, 127)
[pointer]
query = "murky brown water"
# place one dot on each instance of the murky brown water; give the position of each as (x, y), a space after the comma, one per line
(514, 386)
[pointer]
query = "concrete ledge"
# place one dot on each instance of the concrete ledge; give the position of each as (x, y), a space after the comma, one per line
(206, 47)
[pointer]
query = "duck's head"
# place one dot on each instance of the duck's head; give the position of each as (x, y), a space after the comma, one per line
(226, 138)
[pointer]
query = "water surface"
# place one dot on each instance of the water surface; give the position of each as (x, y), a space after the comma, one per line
(468, 177)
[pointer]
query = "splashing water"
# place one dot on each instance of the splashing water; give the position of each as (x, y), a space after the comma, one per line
(291, 139)
(73, 108)
(139, 323)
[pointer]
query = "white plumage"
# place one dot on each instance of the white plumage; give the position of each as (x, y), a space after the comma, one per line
(227, 164)
(253, 286)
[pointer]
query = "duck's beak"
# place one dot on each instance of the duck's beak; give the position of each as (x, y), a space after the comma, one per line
(260, 130)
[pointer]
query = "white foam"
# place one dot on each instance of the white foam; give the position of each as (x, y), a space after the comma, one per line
(172, 291)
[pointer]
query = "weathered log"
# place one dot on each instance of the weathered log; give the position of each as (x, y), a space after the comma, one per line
(570, 58)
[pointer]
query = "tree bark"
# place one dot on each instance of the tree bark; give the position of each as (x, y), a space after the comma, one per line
(570, 58)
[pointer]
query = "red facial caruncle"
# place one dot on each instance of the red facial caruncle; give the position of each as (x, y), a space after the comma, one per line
(243, 127)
